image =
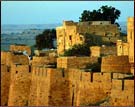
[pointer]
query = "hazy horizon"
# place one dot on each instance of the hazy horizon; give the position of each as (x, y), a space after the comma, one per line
(52, 12)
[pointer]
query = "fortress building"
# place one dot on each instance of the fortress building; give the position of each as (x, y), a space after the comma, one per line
(72, 33)
(128, 47)
(36, 82)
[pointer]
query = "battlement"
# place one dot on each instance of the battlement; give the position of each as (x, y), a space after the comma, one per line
(62, 81)
(118, 64)
(15, 48)
(74, 74)
(122, 92)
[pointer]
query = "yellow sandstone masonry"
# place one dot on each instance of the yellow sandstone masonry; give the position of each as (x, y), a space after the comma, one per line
(98, 51)
(70, 84)
(60, 87)
(15, 48)
(127, 48)
(122, 93)
(5, 84)
(43, 60)
(6, 58)
(20, 85)
(75, 62)
(72, 33)
(130, 38)
(119, 64)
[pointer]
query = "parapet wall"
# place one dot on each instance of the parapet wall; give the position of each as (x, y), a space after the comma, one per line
(37, 85)
(75, 62)
(119, 64)
(98, 51)
(122, 93)
(14, 48)
(43, 60)
(9, 58)
(67, 86)
(20, 59)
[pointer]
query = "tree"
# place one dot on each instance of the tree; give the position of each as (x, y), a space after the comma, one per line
(78, 50)
(105, 13)
(45, 40)
(93, 40)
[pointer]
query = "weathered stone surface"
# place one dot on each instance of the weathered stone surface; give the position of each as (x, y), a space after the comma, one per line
(119, 64)
(15, 48)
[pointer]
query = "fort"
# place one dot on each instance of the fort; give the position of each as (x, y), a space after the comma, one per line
(67, 81)
(72, 33)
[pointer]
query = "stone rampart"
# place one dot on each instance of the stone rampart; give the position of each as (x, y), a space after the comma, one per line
(68, 86)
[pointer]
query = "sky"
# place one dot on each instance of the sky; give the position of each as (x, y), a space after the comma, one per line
(49, 12)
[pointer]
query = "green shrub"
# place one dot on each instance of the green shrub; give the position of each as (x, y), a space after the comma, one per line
(78, 50)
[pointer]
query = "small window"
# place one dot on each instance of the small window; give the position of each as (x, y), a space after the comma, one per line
(81, 38)
(94, 32)
(131, 35)
(70, 37)
(16, 72)
(8, 69)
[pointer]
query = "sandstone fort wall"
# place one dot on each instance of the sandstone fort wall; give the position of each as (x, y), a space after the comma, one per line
(15, 48)
(6, 58)
(122, 93)
(43, 60)
(71, 83)
(20, 85)
(98, 51)
(75, 62)
(115, 64)
(5, 84)
(72, 33)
